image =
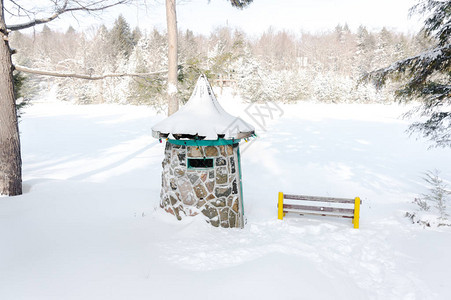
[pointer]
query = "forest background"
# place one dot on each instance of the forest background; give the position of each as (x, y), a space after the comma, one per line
(274, 66)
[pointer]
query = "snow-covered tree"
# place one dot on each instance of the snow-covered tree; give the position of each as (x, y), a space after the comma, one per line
(171, 20)
(136, 35)
(366, 45)
(438, 193)
(148, 55)
(427, 75)
(432, 207)
(10, 156)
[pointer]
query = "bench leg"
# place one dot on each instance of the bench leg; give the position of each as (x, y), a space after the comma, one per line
(356, 218)
(280, 213)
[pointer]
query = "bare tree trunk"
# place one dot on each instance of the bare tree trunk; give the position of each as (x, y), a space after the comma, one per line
(10, 159)
(171, 18)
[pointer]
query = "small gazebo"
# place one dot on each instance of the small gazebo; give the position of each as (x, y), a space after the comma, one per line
(201, 167)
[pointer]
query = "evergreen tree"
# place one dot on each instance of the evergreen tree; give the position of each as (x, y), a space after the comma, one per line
(120, 38)
(427, 76)
(146, 57)
(19, 80)
(70, 31)
(136, 35)
(384, 42)
(438, 193)
(366, 45)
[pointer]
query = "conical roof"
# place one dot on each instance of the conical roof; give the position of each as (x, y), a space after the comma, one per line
(202, 117)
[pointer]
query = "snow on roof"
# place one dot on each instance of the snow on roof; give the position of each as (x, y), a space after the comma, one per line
(202, 117)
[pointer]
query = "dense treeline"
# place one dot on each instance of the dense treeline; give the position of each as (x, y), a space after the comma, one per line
(277, 65)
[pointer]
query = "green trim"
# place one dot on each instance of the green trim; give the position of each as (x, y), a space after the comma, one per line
(218, 142)
(241, 185)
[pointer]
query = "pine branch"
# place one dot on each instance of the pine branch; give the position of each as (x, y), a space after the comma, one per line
(419, 66)
(427, 77)
(240, 3)
(436, 128)
(438, 20)
(85, 76)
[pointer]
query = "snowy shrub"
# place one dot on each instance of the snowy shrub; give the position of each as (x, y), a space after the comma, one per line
(329, 87)
(437, 193)
(250, 80)
(293, 86)
(431, 206)
(258, 82)
(422, 204)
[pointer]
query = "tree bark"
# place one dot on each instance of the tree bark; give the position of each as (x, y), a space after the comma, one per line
(171, 18)
(10, 159)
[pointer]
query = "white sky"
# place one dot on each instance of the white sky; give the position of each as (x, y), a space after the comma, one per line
(292, 15)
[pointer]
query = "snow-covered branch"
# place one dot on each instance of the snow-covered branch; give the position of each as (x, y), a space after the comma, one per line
(85, 76)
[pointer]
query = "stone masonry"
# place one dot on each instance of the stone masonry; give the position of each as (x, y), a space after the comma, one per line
(214, 192)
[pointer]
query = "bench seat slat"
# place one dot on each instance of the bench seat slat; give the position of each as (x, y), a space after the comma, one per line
(321, 199)
(320, 209)
(317, 213)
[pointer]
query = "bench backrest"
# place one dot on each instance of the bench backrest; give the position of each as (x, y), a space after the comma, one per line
(315, 209)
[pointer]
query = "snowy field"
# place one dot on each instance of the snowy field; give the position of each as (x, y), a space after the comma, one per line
(88, 225)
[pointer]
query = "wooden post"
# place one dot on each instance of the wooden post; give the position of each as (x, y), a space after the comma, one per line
(280, 208)
(356, 213)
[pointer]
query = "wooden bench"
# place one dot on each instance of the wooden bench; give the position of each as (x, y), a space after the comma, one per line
(318, 209)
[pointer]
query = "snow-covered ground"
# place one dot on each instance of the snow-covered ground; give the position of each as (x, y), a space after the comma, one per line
(88, 225)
